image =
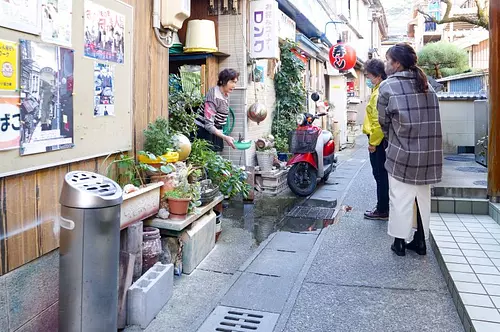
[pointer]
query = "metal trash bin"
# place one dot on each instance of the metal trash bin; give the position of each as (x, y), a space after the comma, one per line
(89, 253)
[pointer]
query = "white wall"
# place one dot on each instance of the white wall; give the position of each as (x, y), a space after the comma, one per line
(338, 100)
(267, 96)
(457, 122)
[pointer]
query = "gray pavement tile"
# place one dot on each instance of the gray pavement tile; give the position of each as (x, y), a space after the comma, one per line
(493, 254)
(485, 269)
(492, 289)
(444, 244)
(459, 268)
(454, 259)
(465, 240)
(490, 247)
(480, 261)
(297, 242)
(481, 326)
(467, 287)
(487, 241)
(462, 276)
(485, 314)
(474, 253)
(448, 251)
(278, 263)
(476, 300)
(496, 301)
(258, 292)
(321, 308)
(489, 279)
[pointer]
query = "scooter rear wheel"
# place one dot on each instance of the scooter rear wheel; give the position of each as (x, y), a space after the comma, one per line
(302, 179)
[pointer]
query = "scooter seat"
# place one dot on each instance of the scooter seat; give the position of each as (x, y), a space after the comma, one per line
(327, 136)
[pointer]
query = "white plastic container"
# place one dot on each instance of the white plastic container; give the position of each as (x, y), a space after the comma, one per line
(174, 13)
(200, 37)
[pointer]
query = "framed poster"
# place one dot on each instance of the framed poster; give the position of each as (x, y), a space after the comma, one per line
(104, 33)
(46, 97)
(56, 21)
(21, 15)
(104, 89)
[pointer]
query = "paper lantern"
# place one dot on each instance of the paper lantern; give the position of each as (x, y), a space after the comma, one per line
(342, 56)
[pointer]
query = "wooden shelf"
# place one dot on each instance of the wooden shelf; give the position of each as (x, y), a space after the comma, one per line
(179, 225)
(196, 56)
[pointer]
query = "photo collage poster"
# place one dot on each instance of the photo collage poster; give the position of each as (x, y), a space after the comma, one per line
(104, 31)
(104, 89)
(46, 108)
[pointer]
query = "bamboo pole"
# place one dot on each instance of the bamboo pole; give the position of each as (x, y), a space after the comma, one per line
(494, 102)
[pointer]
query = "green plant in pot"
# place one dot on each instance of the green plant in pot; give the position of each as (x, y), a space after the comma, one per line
(185, 197)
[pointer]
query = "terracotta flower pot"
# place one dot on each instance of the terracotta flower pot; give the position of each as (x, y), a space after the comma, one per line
(178, 207)
(168, 182)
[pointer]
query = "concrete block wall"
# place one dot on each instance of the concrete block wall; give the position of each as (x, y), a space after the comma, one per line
(457, 122)
(149, 294)
(29, 296)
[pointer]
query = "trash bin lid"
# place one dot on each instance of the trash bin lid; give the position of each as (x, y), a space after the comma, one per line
(87, 190)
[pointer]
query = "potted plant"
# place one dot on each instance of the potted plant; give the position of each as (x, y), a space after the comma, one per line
(265, 152)
(140, 200)
(185, 197)
(160, 144)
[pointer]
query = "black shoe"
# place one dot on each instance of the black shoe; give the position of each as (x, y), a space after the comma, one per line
(399, 247)
(376, 215)
(418, 244)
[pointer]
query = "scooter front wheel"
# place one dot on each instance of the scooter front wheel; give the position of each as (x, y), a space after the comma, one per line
(302, 179)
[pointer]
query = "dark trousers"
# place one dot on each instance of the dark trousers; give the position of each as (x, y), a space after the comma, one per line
(377, 159)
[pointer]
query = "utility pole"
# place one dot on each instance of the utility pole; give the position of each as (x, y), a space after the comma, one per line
(494, 101)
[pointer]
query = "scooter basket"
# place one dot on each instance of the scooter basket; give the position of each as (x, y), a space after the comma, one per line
(302, 141)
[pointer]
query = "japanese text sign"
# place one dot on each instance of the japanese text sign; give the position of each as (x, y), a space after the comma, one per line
(263, 29)
(8, 65)
(9, 123)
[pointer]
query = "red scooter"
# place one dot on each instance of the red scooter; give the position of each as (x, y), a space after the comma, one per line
(303, 175)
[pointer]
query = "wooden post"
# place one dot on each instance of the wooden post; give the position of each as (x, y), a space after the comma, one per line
(494, 102)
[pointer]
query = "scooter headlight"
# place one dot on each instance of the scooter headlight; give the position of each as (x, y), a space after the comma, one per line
(300, 119)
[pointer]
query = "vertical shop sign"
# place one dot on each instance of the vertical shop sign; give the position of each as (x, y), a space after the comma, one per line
(263, 32)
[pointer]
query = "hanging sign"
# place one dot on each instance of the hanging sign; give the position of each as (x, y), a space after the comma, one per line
(263, 32)
(286, 27)
(342, 56)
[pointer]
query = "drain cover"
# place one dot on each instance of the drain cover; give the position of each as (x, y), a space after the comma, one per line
(317, 213)
(471, 169)
(227, 319)
(460, 158)
(481, 183)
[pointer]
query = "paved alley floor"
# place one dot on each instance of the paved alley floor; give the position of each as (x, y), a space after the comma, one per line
(308, 278)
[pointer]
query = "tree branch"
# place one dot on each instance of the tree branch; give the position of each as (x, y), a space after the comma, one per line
(481, 20)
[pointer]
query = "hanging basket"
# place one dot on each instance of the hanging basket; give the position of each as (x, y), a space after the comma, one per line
(265, 159)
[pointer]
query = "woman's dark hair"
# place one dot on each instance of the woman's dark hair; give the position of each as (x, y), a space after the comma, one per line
(407, 57)
(376, 67)
(227, 75)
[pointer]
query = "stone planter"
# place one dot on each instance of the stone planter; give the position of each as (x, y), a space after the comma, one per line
(140, 204)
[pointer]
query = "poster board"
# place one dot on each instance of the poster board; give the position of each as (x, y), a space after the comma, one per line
(93, 136)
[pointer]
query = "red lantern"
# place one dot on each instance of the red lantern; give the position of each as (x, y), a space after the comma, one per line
(342, 56)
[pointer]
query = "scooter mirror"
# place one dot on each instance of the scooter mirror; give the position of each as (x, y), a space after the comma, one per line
(315, 97)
